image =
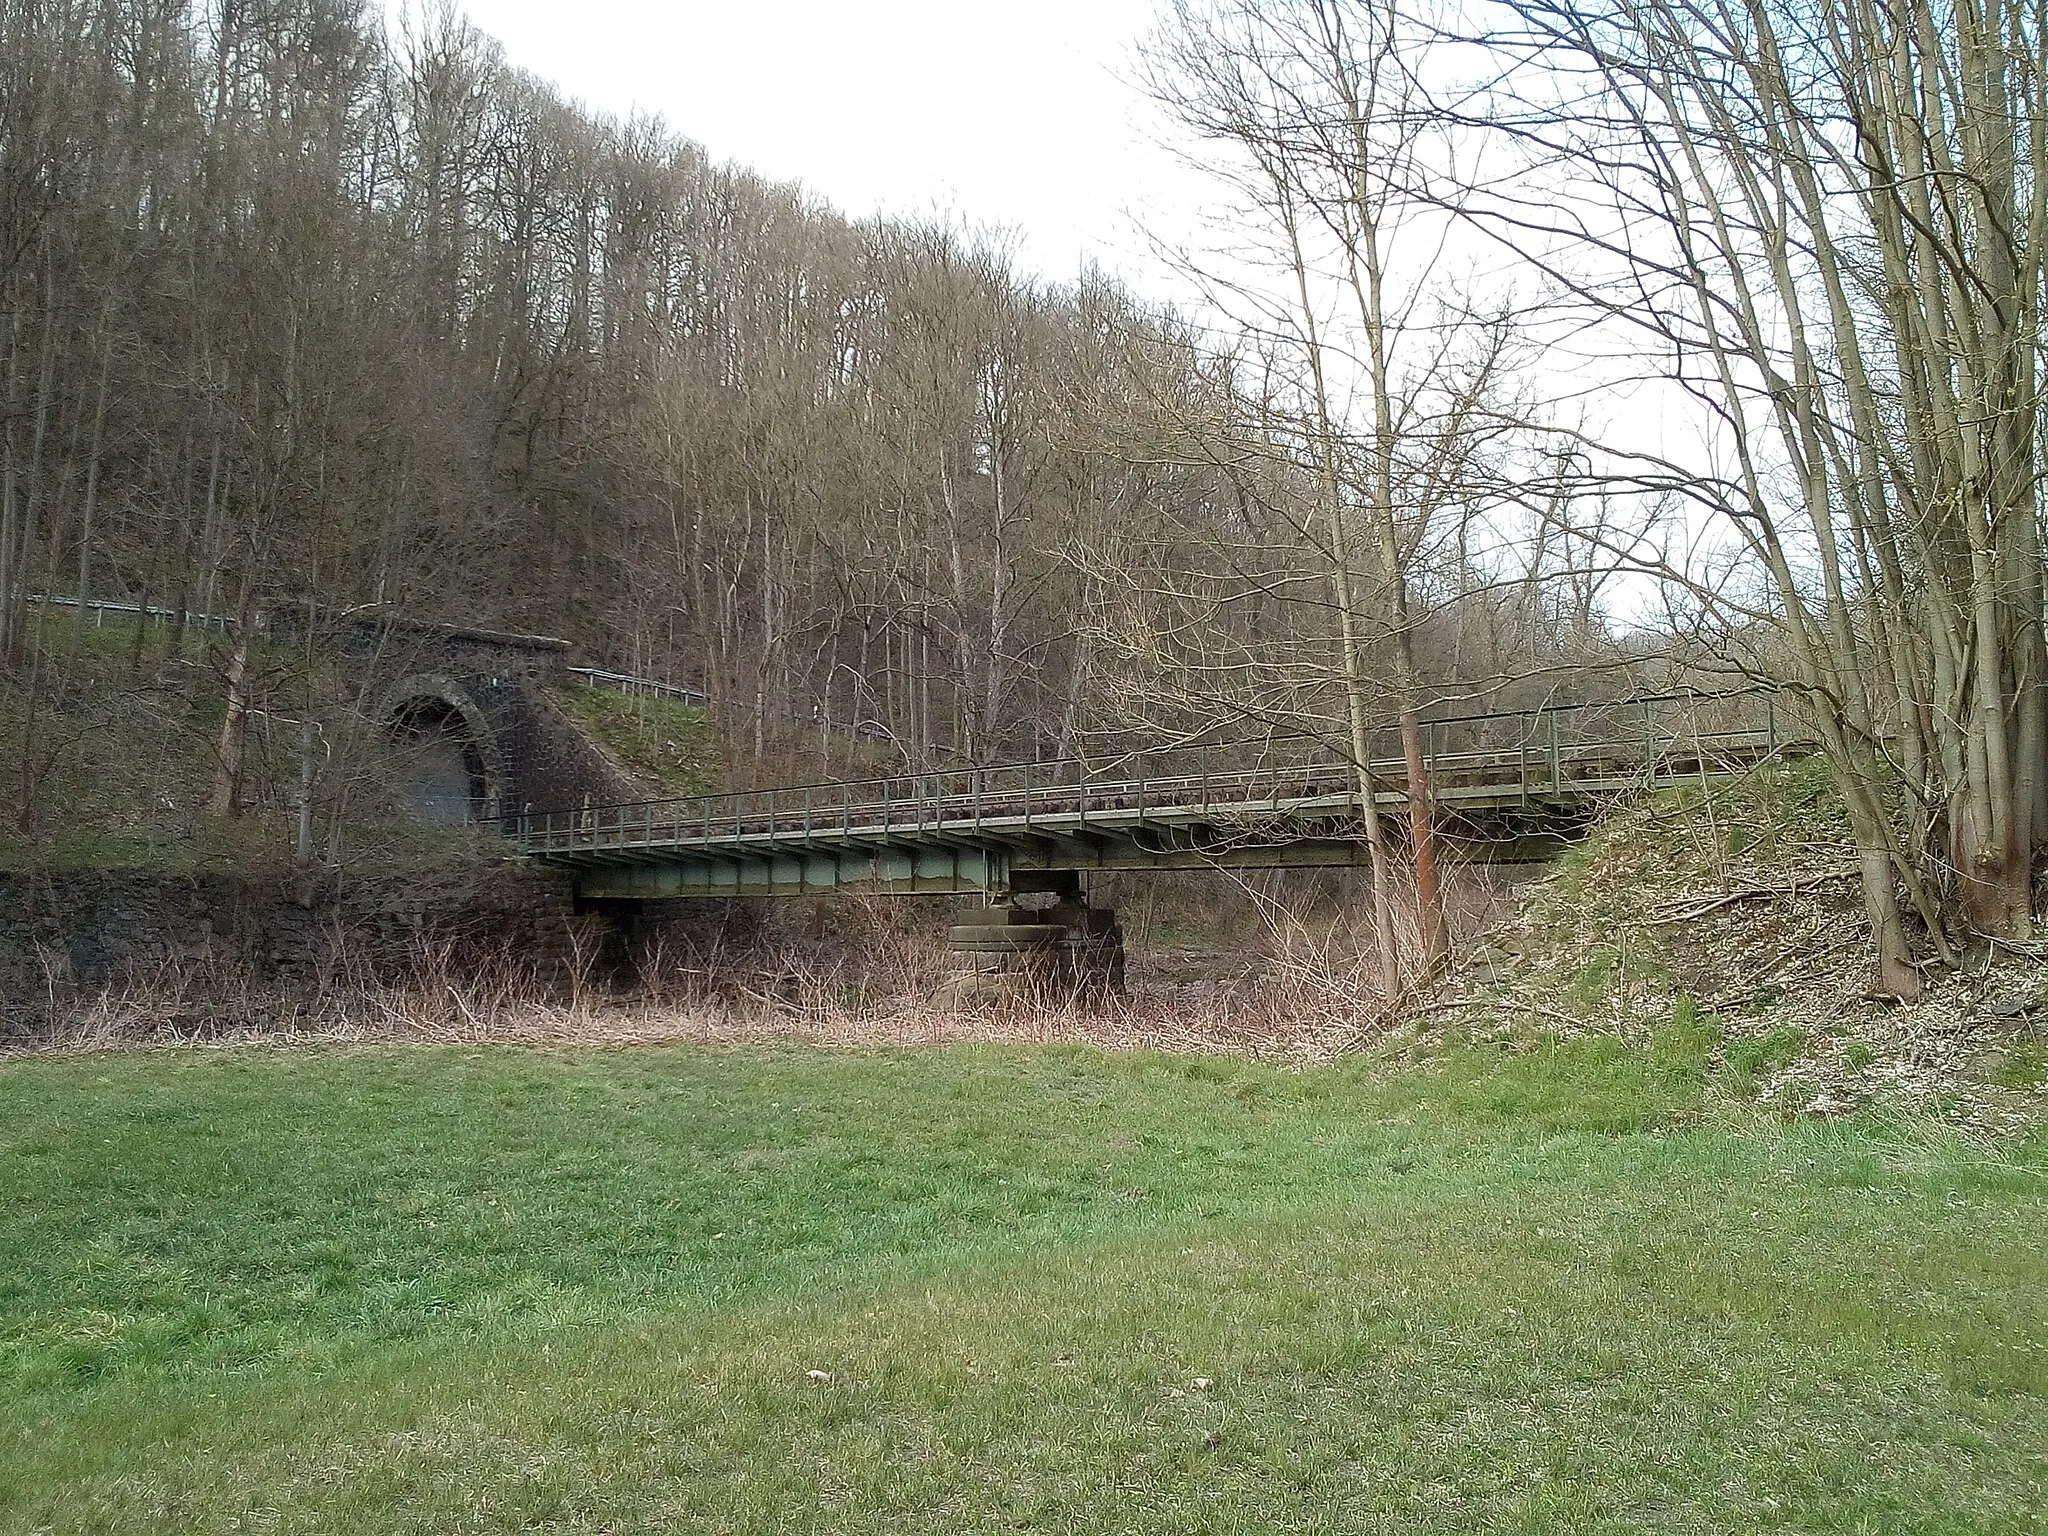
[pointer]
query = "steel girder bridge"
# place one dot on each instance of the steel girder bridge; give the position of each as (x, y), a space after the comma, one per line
(1505, 788)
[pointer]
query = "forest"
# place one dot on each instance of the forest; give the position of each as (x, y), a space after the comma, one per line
(307, 306)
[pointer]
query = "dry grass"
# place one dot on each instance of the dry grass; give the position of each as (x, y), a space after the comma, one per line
(1303, 1011)
(1307, 992)
(1303, 984)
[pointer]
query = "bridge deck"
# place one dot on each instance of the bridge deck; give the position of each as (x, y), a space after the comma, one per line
(980, 829)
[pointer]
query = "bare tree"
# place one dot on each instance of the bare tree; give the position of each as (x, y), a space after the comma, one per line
(1826, 224)
(1388, 390)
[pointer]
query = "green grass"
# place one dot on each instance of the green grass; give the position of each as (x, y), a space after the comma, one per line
(669, 746)
(123, 744)
(2024, 1068)
(1054, 1290)
(1751, 1060)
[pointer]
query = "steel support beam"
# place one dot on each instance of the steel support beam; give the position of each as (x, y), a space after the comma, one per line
(895, 871)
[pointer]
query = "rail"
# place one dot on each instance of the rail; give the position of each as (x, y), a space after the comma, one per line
(1637, 741)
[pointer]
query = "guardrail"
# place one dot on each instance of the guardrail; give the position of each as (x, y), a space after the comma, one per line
(100, 607)
(1543, 762)
(645, 687)
(658, 688)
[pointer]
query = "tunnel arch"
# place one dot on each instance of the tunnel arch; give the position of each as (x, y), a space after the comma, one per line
(451, 766)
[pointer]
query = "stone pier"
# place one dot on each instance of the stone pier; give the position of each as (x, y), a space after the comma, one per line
(1046, 942)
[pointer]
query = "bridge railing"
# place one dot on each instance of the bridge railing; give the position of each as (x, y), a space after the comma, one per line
(1537, 755)
(639, 687)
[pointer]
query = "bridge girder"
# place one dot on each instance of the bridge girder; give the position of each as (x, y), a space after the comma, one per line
(957, 868)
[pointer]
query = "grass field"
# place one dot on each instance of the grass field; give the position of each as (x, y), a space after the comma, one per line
(1045, 1290)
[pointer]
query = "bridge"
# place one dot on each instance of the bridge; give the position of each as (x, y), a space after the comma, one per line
(1505, 787)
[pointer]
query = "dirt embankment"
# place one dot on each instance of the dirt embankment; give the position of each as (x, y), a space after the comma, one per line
(1734, 908)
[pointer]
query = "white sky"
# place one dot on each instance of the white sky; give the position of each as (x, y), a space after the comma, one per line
(1012, 113)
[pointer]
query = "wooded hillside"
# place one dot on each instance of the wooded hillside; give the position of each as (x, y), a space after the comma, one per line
(295, 308)
(301, 306)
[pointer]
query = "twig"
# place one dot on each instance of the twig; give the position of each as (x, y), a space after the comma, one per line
(1768, 976)
(1667, 914)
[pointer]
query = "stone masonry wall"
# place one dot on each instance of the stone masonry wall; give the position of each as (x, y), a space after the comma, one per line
(550, 765)
(69, 935)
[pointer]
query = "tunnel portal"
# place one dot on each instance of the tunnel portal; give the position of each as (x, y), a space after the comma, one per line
(446, 752)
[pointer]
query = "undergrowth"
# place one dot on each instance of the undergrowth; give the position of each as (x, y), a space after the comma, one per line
(1736, 902)
(111, 729)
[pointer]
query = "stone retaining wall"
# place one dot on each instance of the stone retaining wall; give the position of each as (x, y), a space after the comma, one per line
(66, 936)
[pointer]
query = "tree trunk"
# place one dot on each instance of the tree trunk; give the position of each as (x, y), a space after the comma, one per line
(231, 746)
(1896, 976)
(92, 500)
(14, 634)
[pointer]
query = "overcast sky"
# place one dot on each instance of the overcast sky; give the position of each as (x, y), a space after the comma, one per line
(1014, 113)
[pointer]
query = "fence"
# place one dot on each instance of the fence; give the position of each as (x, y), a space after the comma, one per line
(641, 687)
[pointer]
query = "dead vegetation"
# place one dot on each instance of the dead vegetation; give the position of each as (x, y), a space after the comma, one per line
(1265, 980)
(1732, 908)
(1725, 915)
(891, 992)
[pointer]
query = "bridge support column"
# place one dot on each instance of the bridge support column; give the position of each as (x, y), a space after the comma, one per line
(1065, 950)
